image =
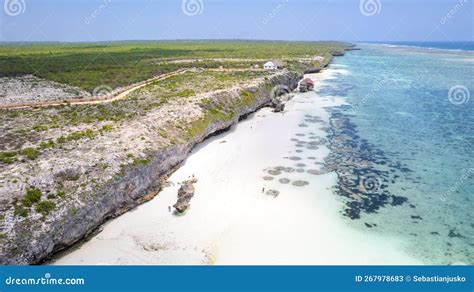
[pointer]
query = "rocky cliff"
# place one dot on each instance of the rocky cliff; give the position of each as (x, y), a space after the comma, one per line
(33, 240)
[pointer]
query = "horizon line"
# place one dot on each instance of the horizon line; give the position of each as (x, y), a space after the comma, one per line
(244, 40)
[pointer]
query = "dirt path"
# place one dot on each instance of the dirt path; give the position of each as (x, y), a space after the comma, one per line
(122, 93)
(97, 100)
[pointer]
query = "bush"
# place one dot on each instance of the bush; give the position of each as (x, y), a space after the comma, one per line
(61, 194)
(47, 144)
(45, 207)
(140, 161)
(80, 135)
(40, 128)
(61, 140)
(33, 195)
(30, 153)
(20, 211)
(7, 157)
(107, 128)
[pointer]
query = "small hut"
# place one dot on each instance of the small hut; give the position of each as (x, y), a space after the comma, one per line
(270, 66)
(274, 65)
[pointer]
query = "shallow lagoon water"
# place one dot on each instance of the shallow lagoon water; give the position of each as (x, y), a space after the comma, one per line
(400, 106)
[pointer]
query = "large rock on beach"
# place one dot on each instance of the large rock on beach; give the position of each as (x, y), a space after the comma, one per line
(185, 194)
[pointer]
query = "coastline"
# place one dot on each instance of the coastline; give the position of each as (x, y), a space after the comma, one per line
(127, 177)
(231, 221)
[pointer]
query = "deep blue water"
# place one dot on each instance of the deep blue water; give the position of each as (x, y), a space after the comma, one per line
(414, 109)
(465, 46)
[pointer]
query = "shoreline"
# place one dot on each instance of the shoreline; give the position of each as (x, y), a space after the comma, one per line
(230, 220)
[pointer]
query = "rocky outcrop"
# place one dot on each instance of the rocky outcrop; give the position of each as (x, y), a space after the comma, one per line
(328, 60)
(185, 194)
(278, 106)
(306, 85)
(34, 242)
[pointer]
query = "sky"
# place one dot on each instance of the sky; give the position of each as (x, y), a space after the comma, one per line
(310, 20)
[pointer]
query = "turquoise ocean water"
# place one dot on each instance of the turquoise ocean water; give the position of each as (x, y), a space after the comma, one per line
(410, 114)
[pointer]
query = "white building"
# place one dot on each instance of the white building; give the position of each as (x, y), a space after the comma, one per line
(270, 66)
(318, 58)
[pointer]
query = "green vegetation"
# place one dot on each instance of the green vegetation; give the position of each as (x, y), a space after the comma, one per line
(30, 153)
(33, 195)
(122, 63)
(88, 133)
(7, 157)
(140, 161)
(61, 194)
(214, 111)
(40, 128)
(20, 211)
(45, 207)
(47, 144)
(107, 128)
(80, 135)
(61, 140)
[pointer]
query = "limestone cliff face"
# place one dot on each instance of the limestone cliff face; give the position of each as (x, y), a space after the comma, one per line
(34, 242)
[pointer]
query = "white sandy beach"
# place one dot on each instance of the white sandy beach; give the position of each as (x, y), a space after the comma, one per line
(231, 221)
